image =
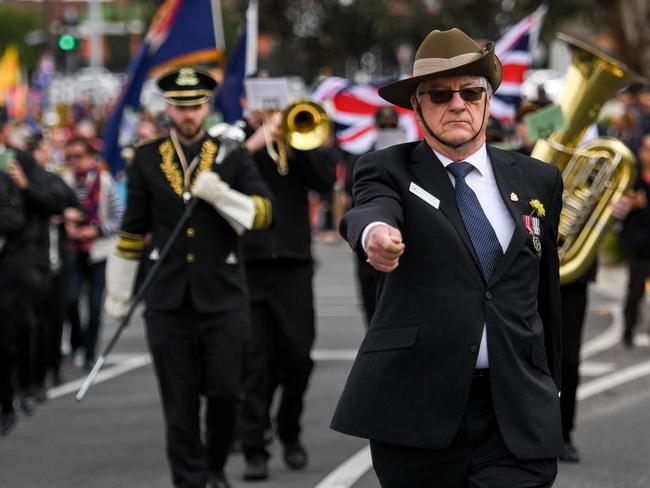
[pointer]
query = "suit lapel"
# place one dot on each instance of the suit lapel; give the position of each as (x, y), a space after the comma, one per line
(508, 178)
(431, 175)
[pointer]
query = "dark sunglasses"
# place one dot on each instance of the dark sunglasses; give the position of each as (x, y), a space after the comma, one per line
(439, 96)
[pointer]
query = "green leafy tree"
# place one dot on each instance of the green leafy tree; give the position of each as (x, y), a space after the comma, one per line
(16, 23)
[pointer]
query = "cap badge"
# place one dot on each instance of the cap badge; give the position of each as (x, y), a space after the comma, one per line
(187, 77)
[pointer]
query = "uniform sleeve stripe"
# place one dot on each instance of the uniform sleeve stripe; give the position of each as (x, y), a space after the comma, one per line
(129, 246)
(262, 212)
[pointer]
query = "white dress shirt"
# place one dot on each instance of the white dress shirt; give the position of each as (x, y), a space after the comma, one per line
(482, 182)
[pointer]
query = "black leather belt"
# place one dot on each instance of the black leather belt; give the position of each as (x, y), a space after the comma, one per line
(481, 373)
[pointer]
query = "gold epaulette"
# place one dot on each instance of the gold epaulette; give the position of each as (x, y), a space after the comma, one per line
(263, 213)
(129, 246)
(144, 142)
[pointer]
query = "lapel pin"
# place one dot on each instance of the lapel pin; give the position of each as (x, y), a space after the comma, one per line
(514, 197)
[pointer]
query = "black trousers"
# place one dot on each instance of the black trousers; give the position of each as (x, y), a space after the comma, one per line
(197, 355)
(278, 354)
(574, 307)
(477, 458)
(638, 272)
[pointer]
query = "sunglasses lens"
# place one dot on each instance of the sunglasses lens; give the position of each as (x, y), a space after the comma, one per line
(445, 96)
(440, 96)
(471, 94)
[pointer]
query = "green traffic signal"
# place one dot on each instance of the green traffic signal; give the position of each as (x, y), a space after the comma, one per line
(68, 42)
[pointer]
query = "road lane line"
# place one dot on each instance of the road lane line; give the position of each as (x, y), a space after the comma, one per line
(612, 380)
(348, 473)
(133, 362)
(334, 354)
(609, 337)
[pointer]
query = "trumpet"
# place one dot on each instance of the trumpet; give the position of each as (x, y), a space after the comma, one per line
(305, 126)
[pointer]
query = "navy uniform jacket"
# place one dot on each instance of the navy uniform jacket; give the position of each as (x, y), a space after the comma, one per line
(205, 260)
(411, 379)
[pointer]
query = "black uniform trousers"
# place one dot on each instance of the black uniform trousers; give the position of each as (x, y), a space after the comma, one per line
(197, 355)
(278, 354)
(477, 458)
(638, 272)
(574, 307)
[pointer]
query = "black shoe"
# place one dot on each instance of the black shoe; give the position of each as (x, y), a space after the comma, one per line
(628, 340)
(569, 454)
(219, 481)
(255, 468)
(40, 394)
(295, 456)
(7, 423)
(27, 405)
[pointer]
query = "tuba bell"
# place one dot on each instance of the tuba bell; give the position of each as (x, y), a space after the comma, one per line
(305, 126)
(594, 174)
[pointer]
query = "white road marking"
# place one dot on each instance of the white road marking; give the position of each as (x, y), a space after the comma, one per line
(348, 473)
(128, 364)
(612, 380)
(595, 368)
(610, 337)
(334, 354)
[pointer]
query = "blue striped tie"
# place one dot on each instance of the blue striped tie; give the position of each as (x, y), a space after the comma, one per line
(484, 239)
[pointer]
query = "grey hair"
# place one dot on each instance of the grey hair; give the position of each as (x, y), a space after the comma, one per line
(483, 81)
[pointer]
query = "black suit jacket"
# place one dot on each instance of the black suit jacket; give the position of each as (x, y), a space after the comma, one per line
(205, 260)
(411, 379)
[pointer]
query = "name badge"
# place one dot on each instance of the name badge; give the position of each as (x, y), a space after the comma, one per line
(424, 195)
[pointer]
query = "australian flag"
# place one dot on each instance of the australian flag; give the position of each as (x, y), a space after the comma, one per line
(181, 32)
(515, 50)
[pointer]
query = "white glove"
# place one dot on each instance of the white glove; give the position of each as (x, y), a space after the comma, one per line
(235, 207)
(120, 277)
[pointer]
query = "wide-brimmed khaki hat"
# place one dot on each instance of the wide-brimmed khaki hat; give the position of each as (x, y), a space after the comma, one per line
(445, 53)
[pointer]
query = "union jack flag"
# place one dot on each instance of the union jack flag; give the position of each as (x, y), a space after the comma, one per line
(515, 50)
(352, 108)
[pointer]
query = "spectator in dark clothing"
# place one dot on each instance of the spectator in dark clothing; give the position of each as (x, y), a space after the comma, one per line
(635, 242)
(12, 219)
(30, 262)
(51, 313)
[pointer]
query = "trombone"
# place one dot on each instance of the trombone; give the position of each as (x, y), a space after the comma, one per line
(305, 126)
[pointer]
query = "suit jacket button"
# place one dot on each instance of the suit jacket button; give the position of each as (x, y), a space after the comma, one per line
(189, 258)
(474, 349)
(488, 295)
(190, 232)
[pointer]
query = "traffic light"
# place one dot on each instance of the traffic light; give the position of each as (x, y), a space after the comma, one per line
(68, 42)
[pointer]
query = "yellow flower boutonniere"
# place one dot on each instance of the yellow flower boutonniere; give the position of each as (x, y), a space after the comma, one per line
(538, 208)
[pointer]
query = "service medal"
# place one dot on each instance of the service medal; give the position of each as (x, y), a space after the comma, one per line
(537, 245)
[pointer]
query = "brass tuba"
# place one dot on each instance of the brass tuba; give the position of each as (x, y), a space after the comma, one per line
(595, 173)
(305, 126)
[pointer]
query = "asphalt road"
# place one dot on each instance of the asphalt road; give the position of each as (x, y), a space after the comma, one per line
(115, 438)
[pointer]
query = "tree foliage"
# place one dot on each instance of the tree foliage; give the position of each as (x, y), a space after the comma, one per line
(330, 36)
(16, 23)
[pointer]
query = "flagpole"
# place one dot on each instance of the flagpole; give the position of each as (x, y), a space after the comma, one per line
(251, 37)
(217, 24)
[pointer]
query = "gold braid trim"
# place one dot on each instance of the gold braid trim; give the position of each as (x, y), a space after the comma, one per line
(170, 169)
(262, 212)
(129, 245)
(208, 153)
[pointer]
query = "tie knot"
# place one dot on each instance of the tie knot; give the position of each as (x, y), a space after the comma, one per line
(460, 169)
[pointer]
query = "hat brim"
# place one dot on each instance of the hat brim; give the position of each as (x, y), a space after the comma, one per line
(399, 92)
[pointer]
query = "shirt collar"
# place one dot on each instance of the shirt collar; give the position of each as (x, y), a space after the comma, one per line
(479, 160)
